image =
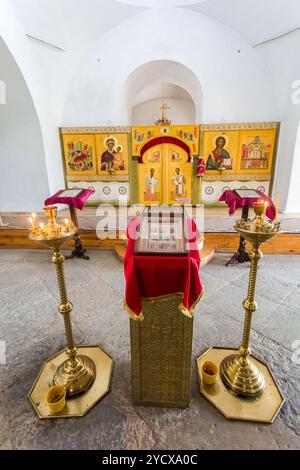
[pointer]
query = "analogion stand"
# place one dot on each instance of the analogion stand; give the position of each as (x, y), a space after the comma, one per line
(162, 291)
(234, 201)
(75, 199)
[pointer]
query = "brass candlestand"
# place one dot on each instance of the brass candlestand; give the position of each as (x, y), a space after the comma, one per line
(77, 371)
(241, 374)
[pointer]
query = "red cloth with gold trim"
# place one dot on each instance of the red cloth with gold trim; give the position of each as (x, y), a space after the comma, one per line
(234, 202)
(77, 202)
(153, 277)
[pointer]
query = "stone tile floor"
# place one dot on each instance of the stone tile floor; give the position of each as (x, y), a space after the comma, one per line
(32, 331)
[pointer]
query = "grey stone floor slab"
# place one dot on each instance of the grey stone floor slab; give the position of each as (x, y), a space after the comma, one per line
(33, 331)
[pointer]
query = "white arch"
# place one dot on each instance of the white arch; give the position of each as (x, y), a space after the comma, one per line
(17, 43)
(156, 72)
(24, 183)
(233, 81)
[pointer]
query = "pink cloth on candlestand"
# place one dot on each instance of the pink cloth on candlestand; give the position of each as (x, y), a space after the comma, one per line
(234, 202)
(77, 202)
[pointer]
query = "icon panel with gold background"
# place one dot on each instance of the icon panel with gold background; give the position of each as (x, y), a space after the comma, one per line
(80, 154)
(165, 176)
(220, 150)
(256, 151)
(112, 153)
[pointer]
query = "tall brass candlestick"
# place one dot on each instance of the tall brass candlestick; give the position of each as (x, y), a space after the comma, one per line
(78, 372)
(238, 371)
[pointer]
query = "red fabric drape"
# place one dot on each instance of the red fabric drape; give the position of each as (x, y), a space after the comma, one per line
(235, 202)
(159, 276)
(77, 202)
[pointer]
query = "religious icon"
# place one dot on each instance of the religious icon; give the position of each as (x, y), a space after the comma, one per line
(179, 181)
(80, 156)
(151, 185)
(108, 157)
(119, 163)
(255, 155)
(79, 153)
(154, 156)
(219, 158)
(176, 156)
(113, 158)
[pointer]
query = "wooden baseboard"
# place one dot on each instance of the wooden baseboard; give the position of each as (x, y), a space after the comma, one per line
(287, 243)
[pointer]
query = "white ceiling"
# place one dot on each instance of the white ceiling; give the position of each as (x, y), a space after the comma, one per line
(160, 3)
(255, 20)
(71, 23)
(171, 91)
(74, 23)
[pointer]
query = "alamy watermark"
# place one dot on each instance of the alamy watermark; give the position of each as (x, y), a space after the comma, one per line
(114, 220)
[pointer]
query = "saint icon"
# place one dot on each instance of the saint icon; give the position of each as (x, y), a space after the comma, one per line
(151, 186)
(219, 158)
(179, 181)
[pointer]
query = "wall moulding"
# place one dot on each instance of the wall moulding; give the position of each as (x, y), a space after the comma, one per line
(240, 126)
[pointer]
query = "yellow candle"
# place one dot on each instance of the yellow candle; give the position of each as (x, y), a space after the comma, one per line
(67, 223)
(42, 226)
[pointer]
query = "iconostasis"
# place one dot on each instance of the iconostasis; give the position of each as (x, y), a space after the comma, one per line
(237, 156)
(157, 164)
(99, 157)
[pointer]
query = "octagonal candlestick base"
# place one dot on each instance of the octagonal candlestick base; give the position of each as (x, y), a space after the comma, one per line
(238, 371)
(242, 376)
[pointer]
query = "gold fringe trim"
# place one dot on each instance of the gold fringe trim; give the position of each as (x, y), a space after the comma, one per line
(190, 312)
(132, 314)
(187, 312)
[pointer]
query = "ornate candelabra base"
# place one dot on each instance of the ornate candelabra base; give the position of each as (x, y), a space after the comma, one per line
(77, 375)
(262, 409)
(80, 404)
(242, 376)
(78, 372)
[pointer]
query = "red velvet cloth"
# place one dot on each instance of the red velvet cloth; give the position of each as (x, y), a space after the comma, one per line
(158, 276)
(234, 202)
(77, 202)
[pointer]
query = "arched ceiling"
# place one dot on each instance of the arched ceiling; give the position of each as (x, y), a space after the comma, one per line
(73, 23)
(153, 91)
(160, 3)
(255, 20)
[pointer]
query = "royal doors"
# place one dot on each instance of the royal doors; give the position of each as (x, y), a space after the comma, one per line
(165, 175)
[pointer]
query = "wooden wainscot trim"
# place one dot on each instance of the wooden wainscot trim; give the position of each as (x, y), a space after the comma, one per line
(286, 243)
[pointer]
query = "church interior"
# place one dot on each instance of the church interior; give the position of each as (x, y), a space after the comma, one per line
(149, 224)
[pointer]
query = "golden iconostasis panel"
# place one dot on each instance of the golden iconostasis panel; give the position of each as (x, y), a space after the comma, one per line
(143, 134)
(244, 150)
(112, 153)
(220, 148)
(178, 171)
(256, 151)
(96, 153)
(80, 154)
(165, 176)
(150, 176)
